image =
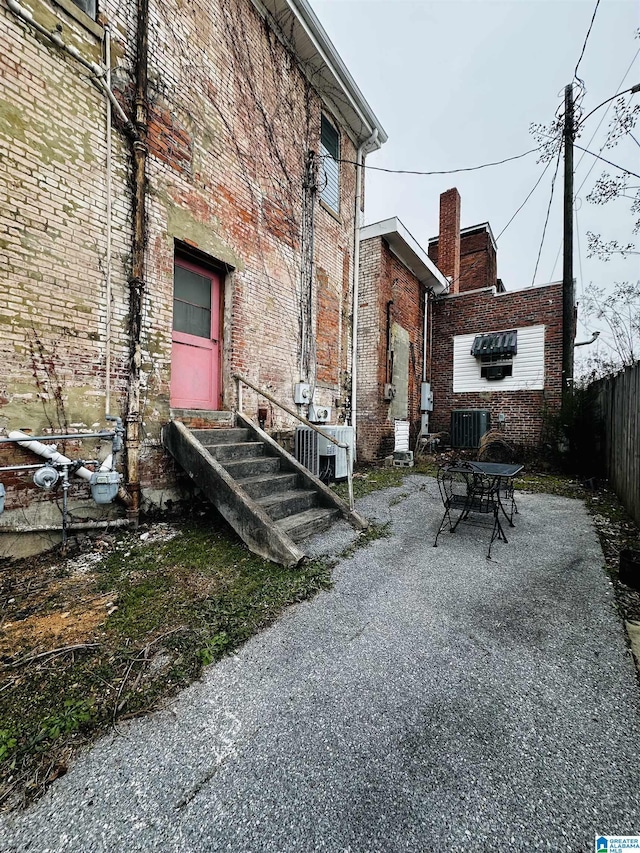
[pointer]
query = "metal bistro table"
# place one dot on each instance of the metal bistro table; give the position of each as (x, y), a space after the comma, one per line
(479, 488)
(505, 475)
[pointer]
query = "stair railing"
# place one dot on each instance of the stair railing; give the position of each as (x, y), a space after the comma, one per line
(241, 380)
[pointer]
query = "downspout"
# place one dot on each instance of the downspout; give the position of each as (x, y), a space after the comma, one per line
(362, 150)
(107, 343)
(136, 282)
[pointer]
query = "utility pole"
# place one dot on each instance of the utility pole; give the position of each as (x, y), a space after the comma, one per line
(568, 331)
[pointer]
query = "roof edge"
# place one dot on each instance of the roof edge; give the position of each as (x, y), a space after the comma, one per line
(408, 250)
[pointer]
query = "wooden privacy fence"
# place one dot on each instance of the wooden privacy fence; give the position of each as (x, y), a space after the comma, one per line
(617, 403)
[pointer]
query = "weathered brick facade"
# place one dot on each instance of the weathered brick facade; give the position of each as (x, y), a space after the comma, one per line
(487, 311)
(232, 114)
(384, 279)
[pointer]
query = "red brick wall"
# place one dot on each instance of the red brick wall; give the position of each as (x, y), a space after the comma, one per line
(382, 278)
(480, 312)
(478, 262)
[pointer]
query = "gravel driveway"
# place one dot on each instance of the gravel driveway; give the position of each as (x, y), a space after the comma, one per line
(433, 700)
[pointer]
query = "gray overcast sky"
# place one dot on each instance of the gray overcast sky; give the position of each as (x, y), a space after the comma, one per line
(458, 83)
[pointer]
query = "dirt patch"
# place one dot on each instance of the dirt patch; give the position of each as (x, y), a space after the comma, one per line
(42, 632)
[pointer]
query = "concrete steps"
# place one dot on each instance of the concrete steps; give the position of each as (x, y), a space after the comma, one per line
(304, 524)
(269, 499)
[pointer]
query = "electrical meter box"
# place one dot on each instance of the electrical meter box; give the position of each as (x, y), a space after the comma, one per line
(426, 397)
(301, 393)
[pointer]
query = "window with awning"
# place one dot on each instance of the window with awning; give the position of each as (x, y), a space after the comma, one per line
(496, 352)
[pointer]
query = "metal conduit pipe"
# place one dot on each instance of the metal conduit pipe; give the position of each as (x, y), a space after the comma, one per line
(37, 466)
(96, 70)
(108, 215)
(107, 436)
(362, 150)
(73, 525)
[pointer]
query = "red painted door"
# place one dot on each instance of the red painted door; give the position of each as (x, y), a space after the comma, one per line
(195, 361)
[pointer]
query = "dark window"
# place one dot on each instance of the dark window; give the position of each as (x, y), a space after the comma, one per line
(87, 6)
(330, 170)
(495, 352)
(495, 367)
(191, 303)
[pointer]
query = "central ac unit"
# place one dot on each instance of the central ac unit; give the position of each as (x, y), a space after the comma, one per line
(321, 456)
(468, 426)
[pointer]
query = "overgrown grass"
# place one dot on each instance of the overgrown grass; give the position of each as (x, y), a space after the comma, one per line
(178, 604)
(181, 604)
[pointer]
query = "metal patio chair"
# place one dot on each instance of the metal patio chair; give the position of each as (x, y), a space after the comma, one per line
(466, 493)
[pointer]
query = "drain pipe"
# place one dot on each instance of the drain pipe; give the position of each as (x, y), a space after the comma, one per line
(362, 150)
(107, 343)
(137, 280)
(48, 452)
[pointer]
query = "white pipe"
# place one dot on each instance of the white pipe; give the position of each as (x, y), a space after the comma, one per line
(48, 452)
(97, 71)
(107, 465)
(356, 278)
(424, 336)
(107, 345)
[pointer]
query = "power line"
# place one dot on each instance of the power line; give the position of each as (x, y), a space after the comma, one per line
(604, 115)
(528, 196)
(586, 39)
(604, 160)
(633, 89)
(593, 136)
(439, 172)
(531, 192)
(546, 221)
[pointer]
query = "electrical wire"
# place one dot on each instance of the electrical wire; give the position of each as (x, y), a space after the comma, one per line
(633, 89)
(531, 192)
(441, 171)
(593, 135)
(604, 160)
(546, 221)
(586, 39)
(528, 196)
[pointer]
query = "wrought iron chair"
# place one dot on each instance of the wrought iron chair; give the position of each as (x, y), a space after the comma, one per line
(464, 492)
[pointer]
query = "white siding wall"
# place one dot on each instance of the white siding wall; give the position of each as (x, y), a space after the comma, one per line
(528, 364)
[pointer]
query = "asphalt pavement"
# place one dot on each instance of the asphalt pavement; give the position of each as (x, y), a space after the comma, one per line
(432, 700)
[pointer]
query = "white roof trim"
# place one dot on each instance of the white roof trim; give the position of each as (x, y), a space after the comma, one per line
(408, 250)
(300, 28)
(479, 227)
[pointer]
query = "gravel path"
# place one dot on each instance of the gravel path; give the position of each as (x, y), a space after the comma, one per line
(433, 700)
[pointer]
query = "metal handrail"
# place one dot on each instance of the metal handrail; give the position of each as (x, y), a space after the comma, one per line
(241, 379)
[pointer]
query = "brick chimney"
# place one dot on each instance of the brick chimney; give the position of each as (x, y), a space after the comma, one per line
(449, 239)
